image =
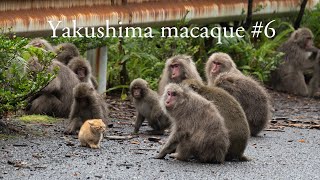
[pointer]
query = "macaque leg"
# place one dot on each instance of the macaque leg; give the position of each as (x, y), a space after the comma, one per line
(169, 147)
(138, 123)
(183, 151)
(314, 82)
(44, 104)
(296, 83)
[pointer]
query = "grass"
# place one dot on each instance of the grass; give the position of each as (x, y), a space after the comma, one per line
(38, 119)
(6, 136)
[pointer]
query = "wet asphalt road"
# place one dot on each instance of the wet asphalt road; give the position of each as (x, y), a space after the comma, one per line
(292, 154)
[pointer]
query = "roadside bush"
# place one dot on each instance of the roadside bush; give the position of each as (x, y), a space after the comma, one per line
(15, 84)
(311, 19)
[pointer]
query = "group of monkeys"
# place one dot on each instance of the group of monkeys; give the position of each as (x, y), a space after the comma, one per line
(213, 122)
(209, 122)
(72, 93)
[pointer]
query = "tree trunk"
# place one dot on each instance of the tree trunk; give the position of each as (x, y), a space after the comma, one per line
(123, 72)
(300, 15)
(248, 22)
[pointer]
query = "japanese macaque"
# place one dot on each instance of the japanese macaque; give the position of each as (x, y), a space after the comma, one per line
(233, 114)
(198, 129)
(289, 75)
(178, 68)
(219, 63)
(56, 98)
(41, 43)
(146, 102)
(82, 68)
(87, 104)
(253, 98)
(91, 133)
(65, 52)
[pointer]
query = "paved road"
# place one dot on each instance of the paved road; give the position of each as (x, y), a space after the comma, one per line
(292, 154)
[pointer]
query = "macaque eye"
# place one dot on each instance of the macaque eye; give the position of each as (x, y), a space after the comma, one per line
(173, 94)
(217, 63)
(174, 66)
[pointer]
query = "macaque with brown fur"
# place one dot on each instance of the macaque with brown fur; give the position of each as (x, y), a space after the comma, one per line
(219, 63)
(91, 133)
(41, 43)
(87, 104)
(178, 68)
(233, 114)
(56, 98)
(82, 68)
(198, 129)
(253, 98)
(146, 102)
(65, 52)
(289, 76)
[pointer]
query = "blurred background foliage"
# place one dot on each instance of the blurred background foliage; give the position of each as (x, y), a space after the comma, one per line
(130, 58)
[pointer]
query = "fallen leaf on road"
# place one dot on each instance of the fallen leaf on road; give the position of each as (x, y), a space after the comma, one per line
(302, 141)
(119, 137)
(135, 142)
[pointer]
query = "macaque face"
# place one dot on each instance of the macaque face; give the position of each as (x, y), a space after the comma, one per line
(38, 44)
(175, 71)
(81, 72)
(308, 42)
(137, 92)
(215, 67)
(170, 99)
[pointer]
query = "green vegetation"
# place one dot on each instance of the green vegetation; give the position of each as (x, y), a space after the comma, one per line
(6, 136)
(38, 119)
(311, 19)
(16, 84)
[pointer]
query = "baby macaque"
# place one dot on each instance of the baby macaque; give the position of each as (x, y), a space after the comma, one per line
(146, 102)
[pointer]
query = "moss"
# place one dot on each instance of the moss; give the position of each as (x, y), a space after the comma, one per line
(38, 119)
(6, 136)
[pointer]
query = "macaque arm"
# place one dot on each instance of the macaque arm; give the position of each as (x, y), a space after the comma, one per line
(54, 85)
(138, 123)
(314, 82)
(74, 108)
(94, 82)
(74, 124)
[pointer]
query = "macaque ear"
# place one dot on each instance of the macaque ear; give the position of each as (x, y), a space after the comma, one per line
(295, 36)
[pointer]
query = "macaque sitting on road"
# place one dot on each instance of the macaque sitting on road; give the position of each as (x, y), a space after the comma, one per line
(289, 75)
(177, 69)
(146, 102)
(198, 130)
